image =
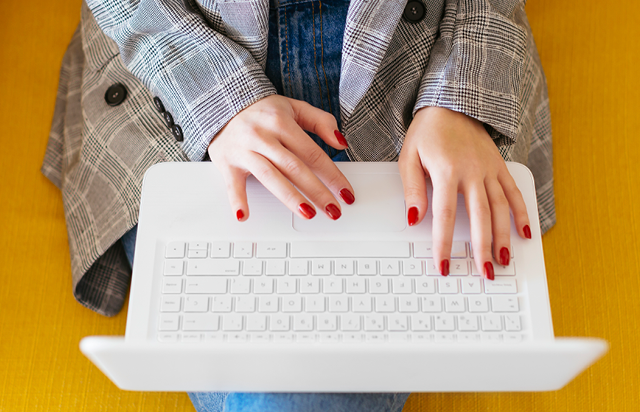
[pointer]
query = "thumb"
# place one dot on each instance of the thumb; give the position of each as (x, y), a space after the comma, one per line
(318, 122)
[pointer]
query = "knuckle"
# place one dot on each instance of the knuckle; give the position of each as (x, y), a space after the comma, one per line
(315, 157)
(483, 210)
(521, 216)
(445, 213)
(273, 123)
(445, 175)
(483, 251)
(336, 180)
(500, 203)
(501, 234)
(413, 191)
(291, 166)
(264, 173)
(291, 197)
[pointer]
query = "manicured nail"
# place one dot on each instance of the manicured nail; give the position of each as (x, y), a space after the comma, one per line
(333, 211)
(239, 214)
(444, 267)
(306, 210)
(341, 138)
(488, 270)
(347, 196)
(412, 215)
(504, 256)
(527, 231)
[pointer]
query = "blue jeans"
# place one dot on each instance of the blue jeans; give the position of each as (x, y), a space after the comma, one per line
(303, 62)
(304, 55)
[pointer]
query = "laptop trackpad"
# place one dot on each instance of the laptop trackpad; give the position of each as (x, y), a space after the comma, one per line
(379, 207)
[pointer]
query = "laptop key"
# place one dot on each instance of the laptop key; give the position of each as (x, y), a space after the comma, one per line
(500, 285)
(504, 303)
(444, 323)
(175, 250)
(243, 250)
(206, 285)
(271, 250)
(196, 304)
(512, 323)
(191, 337)
(168, 337)
(232, 322)
(201, 267)
(491, 323)
(169, 322)
(172, 285)
(173, 267)
(200, 322)
(220, 249)
(170, 304)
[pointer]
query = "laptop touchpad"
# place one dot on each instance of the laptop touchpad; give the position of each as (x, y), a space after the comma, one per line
(379, 207)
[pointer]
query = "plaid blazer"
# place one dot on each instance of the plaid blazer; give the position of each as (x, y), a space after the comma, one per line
(205, 61)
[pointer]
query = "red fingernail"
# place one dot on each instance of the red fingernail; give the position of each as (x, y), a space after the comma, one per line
(306, 210)
(347, 196)
(412, 215)
(333, 211)
(504, 256)
(341, 138)
(239, 214)
(488, 270)
(444, 267)
(527, 231)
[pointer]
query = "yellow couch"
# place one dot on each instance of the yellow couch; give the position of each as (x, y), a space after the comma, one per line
(591, 54)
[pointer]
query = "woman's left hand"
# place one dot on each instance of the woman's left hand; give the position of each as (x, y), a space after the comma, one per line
(459, 156)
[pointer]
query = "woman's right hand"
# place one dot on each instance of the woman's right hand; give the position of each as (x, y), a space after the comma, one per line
(267, 140)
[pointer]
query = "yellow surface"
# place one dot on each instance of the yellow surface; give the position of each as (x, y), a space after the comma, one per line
(591, 54)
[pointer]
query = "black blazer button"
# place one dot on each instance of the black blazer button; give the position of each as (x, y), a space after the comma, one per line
(177, 133)
(159, 106)
(168, 119)
(414, 11)
(115, 94)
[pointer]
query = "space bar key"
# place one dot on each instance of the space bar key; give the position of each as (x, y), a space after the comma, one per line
(345, 249)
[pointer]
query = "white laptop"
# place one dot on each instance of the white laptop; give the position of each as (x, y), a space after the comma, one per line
(282, 304)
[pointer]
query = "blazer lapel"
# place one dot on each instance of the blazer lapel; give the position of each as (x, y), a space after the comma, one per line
(370, 26)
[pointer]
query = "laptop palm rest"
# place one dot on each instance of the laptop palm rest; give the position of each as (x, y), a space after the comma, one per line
(374, 210)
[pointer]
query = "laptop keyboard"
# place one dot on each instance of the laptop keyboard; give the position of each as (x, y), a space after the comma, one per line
(333, 292)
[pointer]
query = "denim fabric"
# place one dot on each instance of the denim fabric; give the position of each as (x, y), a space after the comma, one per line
(304, 53)
(300, 402)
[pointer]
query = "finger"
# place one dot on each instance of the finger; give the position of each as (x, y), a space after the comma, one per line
(518, 207)
(414, 184)
(444, 202)
(477, 204)
(280, 186)
(319, 122)
(500, 221)
(236, 182)
(299, 143)
(305, 180)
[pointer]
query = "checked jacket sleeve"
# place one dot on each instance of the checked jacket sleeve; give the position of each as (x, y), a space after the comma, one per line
(200, 74)
(478, 65)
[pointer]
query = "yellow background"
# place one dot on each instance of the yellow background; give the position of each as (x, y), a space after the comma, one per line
(591, 53)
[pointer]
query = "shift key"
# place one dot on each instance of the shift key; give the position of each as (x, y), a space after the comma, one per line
(500, 286)
(206, 285)
(213, 267)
